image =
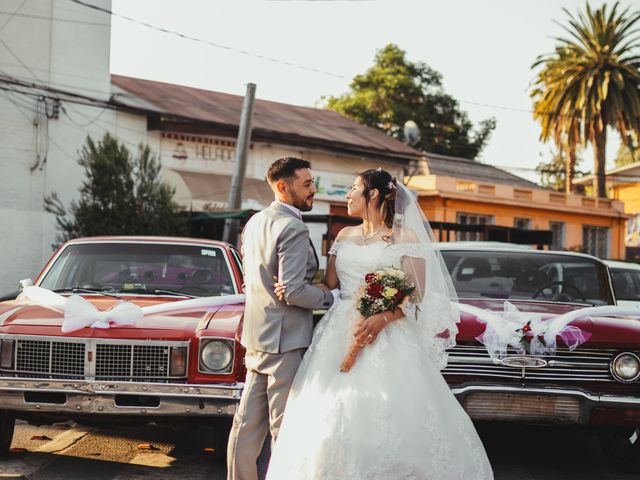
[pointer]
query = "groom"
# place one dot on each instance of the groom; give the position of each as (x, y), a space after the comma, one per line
(275, 243)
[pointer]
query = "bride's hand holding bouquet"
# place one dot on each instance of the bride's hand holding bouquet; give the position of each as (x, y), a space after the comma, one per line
(381, 300)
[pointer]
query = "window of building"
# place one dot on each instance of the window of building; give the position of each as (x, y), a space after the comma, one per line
(595, 241)
(472, 219)
(522, 223)
(557, 230)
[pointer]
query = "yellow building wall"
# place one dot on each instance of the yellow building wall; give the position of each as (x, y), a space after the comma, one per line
(629, 193)
(445, 210)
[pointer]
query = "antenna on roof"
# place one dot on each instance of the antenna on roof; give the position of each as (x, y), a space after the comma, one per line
(411, 132)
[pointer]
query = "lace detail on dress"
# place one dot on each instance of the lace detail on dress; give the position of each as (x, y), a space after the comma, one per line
(408, 249)
(334, 248)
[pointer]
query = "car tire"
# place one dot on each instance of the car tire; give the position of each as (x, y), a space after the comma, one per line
(7, 425)
(621, 448)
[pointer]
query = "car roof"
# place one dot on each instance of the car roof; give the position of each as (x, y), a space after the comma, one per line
(148, 239)
(616, 264)
(507, 248)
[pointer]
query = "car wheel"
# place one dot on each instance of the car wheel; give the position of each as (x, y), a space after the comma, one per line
(7, 425)
(621, 448)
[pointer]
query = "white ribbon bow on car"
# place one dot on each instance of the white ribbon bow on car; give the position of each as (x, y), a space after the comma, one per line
(80, 313)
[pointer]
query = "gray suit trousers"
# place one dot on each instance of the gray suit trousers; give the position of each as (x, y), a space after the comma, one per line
(269, 379)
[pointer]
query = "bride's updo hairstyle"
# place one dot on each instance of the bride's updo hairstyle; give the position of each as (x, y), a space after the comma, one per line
(386, 184)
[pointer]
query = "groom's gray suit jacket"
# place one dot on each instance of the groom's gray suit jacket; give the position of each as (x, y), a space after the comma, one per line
(275, 242)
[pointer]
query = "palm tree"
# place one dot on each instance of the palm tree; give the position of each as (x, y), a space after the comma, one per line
(591, 81)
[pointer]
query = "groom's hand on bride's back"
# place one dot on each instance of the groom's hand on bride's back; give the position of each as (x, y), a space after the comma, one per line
(280, 288)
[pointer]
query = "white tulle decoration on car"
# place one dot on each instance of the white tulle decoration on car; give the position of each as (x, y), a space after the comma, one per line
(528, 332)
(80, 313)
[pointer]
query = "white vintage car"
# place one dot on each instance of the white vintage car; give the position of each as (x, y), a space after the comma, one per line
(626, 281)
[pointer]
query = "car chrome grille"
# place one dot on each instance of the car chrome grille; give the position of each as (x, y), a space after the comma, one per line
(135, 361)
(57, 359)
(106, 360)
(580, 365)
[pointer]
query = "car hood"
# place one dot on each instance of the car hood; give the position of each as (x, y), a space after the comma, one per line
(16, 318)
(605, 331)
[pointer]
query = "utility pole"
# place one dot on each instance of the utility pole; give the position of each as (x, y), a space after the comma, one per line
(230, 234)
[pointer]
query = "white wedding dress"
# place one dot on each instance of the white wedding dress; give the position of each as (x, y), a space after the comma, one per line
(391, 417)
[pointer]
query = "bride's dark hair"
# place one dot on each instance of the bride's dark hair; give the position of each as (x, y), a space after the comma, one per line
(386, 184)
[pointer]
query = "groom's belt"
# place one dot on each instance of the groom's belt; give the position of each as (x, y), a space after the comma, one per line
(119, 398)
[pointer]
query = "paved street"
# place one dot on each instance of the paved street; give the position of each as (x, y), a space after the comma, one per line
(63, 452)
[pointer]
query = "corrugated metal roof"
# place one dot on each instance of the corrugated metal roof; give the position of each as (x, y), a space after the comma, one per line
(301, 125)
(473, 170)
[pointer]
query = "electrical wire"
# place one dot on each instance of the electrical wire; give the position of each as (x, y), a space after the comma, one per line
(12, 14)
(207, 42)
(54, 19)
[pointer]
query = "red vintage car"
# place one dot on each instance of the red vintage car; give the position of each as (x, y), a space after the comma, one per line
(596, 385)
(167, 367)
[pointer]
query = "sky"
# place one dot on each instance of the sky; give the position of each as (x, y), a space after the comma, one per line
(484, 50)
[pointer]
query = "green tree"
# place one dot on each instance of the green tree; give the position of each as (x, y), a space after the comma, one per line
(120, 195)
(395, 90)
(628, 152)
(590, 82)
(554, 174)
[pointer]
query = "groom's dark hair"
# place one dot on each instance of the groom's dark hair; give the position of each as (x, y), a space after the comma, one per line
(285, 168)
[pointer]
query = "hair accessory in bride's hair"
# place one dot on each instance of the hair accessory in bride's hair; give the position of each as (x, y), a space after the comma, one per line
(379, 169)
(391, 186)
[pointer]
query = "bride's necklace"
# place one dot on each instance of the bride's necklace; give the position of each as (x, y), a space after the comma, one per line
(370, 235)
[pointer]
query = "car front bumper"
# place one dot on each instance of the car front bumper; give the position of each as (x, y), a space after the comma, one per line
(543, 404)
(118, 398)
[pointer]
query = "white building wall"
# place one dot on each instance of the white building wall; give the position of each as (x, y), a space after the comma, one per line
(70, 56)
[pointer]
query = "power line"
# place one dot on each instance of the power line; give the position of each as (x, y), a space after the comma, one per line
(12, 14)
(207, 42)
(243, 52)
(55, 19)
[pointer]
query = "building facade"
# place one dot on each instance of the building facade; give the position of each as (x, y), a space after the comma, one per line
(41, 134)
(461, 191)
(623, 185)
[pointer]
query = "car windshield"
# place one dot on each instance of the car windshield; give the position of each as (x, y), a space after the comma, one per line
(527, 276)
(626, 283)
(141, 268)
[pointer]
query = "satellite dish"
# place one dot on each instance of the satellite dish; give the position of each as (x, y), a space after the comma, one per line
(411, 132)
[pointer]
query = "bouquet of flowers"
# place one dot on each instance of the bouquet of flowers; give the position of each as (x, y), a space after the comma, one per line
(383, 290)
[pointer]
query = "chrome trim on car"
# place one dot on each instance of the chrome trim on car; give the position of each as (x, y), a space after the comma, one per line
(90, 367)
(598, 400)
(95, 397)
(580, 365)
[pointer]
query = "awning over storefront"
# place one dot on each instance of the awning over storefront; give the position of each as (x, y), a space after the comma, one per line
(208, 187)
(222, 215)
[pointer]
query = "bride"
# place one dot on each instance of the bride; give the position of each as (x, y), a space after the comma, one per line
(368, 401)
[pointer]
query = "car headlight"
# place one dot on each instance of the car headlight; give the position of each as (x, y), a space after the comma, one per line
(216, 356)
(625, 367)
(6, 354)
